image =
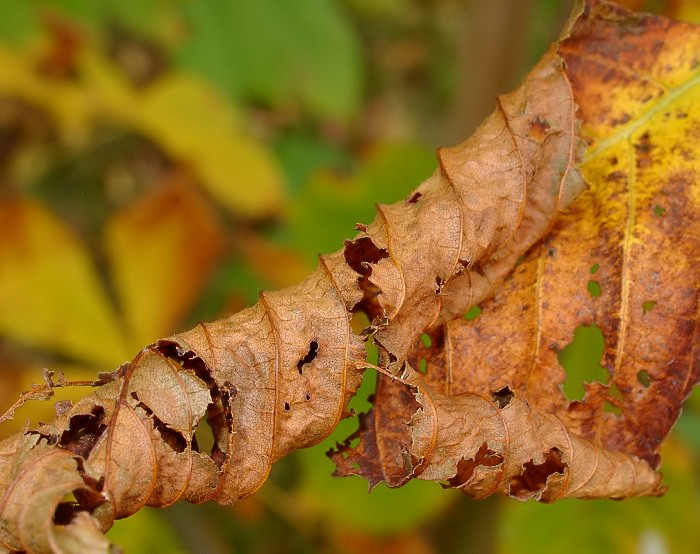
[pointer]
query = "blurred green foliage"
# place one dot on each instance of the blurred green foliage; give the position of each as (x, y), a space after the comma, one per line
(334, 105)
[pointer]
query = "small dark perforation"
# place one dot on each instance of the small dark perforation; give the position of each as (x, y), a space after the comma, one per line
(473, 313)
(310, 356)
(423, 366)
(594, 288)
(503, 396)
(415, 197)
(659, 211)
(439, 283)
(462, 266)
(307, 397)
(643, 378)
(648, 306)
(287, 406)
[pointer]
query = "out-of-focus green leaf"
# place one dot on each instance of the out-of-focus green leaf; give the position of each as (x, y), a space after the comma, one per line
(688, 425)
(177, 111)
(666, 524)
(145, 532)
(195, 126)
(276, 50)
(17, 20)
(50, 296)
(21, 21)
(302, 153)
(328, 207)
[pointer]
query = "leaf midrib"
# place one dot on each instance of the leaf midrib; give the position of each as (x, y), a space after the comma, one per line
(626, 131)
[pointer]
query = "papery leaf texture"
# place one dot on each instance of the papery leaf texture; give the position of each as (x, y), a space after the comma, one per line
(488, 416)
(624, 259)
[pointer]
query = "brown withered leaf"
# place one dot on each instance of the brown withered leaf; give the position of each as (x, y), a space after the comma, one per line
(279, 375)
(636, 232)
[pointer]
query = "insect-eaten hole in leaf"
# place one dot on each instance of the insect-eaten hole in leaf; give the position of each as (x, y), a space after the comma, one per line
(66, 509)
(172, 438)
(309, 357)
(594, 288)
(203, 439)
(83, 432)
(473, 313)
(426, 340)
(359, 255)
(439, 283)
(594, 269)
(648, 306)
(466, 466)
(423, 366)
(659, 211)
(287, 406)
(533, 477)
(83, 499)
(611, 407)
(414, 198)
(219, 417)
(307, 397)
(643, 378)
(502, 396)
(581, 360)
(361, 252)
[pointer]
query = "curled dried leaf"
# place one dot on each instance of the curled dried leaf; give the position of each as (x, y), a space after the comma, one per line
(279, 375)
(635, 79)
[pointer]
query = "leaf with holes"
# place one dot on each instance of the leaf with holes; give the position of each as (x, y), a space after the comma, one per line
(617, 278)
(278, 376)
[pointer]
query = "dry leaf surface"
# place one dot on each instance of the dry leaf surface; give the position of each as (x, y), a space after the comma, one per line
(636, 232)
(278, 376)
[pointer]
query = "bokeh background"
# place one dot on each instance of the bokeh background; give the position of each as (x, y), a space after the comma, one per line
(161, 162)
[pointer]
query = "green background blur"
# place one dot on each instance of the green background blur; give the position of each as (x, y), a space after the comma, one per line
(161, 162)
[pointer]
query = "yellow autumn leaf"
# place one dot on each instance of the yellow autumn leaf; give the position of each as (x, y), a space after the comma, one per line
(50, 296)
(182, 114)
(161, 249)
(195, 126)
(65, 101)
